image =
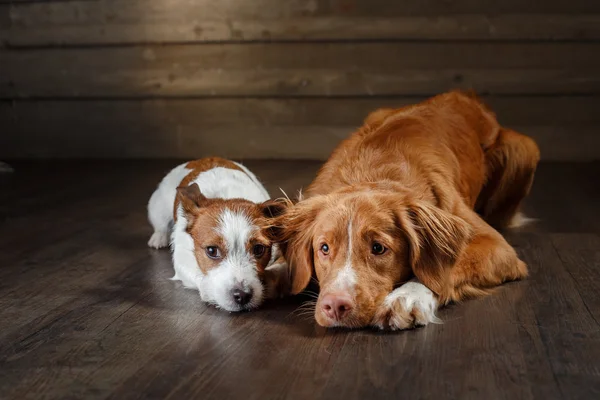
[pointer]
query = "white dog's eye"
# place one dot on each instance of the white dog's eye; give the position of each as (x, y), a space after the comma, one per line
(213, 252)
(258, 250)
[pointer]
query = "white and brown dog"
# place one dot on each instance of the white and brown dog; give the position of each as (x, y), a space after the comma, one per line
(217, 214)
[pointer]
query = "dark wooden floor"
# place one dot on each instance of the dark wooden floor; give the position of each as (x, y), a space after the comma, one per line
(87, 310)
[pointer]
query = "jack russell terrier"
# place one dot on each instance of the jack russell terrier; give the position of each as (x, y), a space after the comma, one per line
(217, 215)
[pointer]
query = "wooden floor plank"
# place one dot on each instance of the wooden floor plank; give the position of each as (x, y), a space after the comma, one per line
(580, 254)
(90, 312)
(569, 334)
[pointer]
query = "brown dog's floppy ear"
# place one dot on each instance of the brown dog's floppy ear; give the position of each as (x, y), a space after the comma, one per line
(436, 240)
(300, 258)
(190, 197)
(294, 231)
(271, 210)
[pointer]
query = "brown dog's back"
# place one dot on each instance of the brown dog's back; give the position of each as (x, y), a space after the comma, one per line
(439, 143)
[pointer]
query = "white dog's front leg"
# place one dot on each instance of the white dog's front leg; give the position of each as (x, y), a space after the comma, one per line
(184, 261)
(410, 305)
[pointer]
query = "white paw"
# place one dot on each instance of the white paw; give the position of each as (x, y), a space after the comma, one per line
(409, 306)
(158, 240)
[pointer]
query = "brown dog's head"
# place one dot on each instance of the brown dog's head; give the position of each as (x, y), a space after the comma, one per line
(360, 243)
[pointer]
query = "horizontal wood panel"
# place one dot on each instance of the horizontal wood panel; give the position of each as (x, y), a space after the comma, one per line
(305, 142)
(279, 83)
(39, 30)
(157, 78)
(278, 9)
(104, 10)
(301, 69)
(511, 111)
(138, 21)
(255, 128)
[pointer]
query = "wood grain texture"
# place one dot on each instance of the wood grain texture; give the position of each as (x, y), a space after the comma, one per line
(275, 9)
(277, 79)
(152, 21)
(565, 128)
(582, 262)
(304, 69)
(88, 311)
(289, 112)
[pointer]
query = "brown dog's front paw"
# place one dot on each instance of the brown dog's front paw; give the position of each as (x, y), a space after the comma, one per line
(409, 306)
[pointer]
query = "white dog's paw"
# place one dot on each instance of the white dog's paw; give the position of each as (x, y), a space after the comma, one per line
(158, 240)
(409, 306)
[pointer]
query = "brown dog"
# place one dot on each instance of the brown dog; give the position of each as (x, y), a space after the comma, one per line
(400, 199)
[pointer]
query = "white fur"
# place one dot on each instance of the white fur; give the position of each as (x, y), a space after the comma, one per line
(256, 181)
(238, 267)
(217, 182)
(520, 220)
(235, 228)
(184, 260)
(346, 277)
(412, 296)
(160, 206)
(226, 183)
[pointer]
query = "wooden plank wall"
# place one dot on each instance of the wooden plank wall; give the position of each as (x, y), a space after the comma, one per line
(284, 79)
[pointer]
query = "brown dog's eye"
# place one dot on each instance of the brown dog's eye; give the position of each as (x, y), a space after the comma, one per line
(213, 252)
(377, 249)
(325, 248)
(258, 250)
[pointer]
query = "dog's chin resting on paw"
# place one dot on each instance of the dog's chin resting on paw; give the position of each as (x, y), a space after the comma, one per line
(401, 219)
(216, 216)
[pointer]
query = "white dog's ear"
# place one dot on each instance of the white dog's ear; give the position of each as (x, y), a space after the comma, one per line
(274, 208)
(190, 197)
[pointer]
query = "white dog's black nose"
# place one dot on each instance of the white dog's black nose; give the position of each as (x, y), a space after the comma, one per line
(241, 296)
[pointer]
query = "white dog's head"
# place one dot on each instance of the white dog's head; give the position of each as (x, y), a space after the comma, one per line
(231, 245)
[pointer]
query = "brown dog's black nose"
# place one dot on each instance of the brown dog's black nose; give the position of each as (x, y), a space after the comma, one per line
(241, 296)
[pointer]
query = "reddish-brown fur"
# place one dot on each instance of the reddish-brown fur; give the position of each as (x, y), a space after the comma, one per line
(412, 179)
(204, 214)
(199, 166)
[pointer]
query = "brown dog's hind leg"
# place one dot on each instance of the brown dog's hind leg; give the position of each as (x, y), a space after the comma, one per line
(511, 162)
(486, 262)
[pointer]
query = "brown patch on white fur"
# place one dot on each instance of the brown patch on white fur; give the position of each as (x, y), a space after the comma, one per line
(199, 166)
(204, 218)
(219, 242)
(204, 164)
(410, 179)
